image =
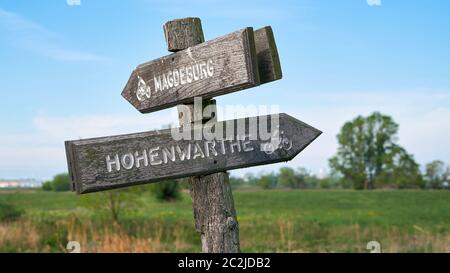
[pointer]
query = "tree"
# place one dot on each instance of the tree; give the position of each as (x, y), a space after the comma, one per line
(435, 174)
(267, 181)
(60, 182)
(47, 186)
(312, 182)
(304, 178)
(368, 152)
(287, 177)
(326, 183)
(400, 170)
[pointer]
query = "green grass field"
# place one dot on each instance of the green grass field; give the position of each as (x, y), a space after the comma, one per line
(270, 221)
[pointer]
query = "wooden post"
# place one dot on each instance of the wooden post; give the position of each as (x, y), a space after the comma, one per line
(212, 199)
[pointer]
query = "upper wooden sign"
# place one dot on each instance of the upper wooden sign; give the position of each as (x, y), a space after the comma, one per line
(233, 62)
(118, 161)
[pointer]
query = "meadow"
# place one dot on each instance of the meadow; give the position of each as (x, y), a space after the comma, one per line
(270, 221)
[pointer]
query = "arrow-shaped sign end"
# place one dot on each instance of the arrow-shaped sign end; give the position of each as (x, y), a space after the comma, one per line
(296, 135)
(136, 91)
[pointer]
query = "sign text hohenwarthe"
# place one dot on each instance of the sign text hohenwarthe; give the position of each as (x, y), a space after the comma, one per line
(118, 161)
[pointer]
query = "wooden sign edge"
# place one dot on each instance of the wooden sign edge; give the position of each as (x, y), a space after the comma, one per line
(264, 37)
(251, 58)
(73, 174)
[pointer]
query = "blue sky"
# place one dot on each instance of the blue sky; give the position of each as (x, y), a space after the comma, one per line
(63, 67)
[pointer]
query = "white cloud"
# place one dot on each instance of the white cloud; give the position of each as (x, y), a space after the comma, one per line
(73, 2)
(374, 2)
(28, 35)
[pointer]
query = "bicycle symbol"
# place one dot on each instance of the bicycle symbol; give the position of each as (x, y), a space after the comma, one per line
(283, 143)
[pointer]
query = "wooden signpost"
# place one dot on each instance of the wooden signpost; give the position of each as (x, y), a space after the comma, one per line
(118, 161)
(202, 149)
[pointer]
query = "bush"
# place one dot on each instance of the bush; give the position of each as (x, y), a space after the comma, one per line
(168, 190)
(325, 183)
(312, 182)
(47, 186)
(9, 212)
(268, 181)
(330, 183)
(287, 178)
(60, 182)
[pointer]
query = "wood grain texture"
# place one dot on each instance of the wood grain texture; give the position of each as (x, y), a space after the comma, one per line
(87, 159)
(214, 213)
(267, 54)
(183, 33)
(212, 198)
(232, 59)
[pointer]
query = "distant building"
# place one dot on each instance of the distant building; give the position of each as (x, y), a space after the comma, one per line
(20, 183)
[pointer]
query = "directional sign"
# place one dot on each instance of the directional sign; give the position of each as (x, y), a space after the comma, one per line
(119, 161)
(220, 66)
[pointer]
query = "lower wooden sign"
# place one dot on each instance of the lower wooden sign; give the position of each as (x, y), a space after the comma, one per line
(118, 161)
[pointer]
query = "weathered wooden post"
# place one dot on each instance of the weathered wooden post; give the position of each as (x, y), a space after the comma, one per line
(212, 199)
(240, 60)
